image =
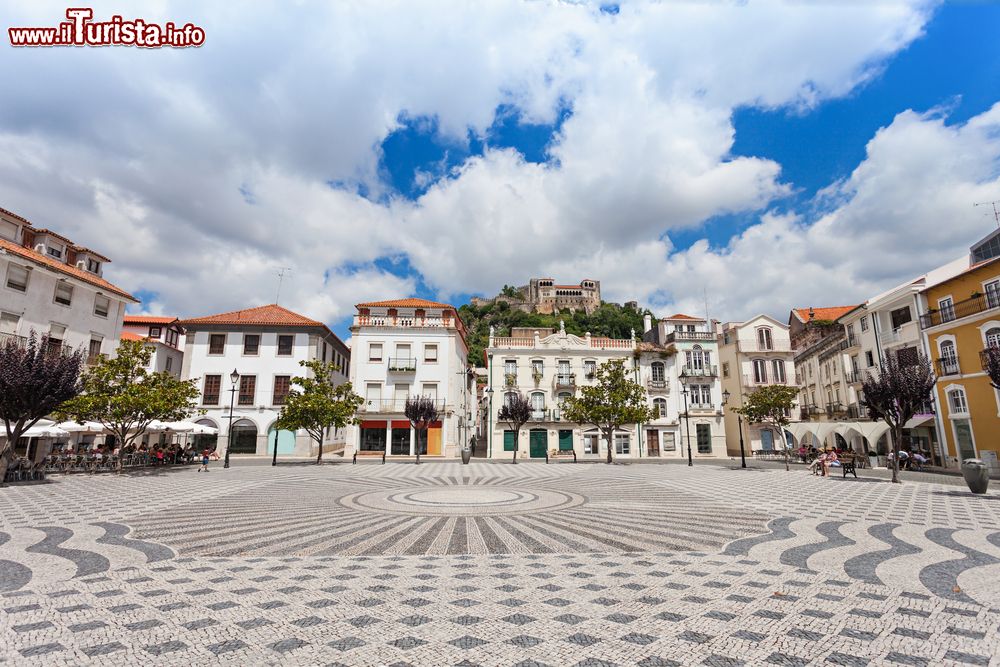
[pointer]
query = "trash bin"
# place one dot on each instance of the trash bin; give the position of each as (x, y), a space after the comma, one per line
(976, 474)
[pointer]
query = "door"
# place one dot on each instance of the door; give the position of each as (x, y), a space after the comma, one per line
(963, 434)
(434, 441)
(284, 438)
(509, 438)
(653, 443)
(538, 443)
(565, 441)
(766, 441)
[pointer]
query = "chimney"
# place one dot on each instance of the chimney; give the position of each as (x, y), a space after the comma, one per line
(647, 323)
(812, 314)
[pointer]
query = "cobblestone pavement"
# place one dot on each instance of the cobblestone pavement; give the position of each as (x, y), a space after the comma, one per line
(491, 564)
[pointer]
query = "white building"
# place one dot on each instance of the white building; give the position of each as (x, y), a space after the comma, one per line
(405, 348)
(52, 286)
(753, 354)
(264, 345)
(164, 335)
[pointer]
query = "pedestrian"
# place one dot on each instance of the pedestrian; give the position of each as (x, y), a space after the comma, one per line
(205, 454)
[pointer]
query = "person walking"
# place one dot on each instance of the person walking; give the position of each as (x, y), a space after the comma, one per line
(205, 454)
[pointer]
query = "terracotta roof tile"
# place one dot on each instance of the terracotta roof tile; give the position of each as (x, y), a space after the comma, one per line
(66, 269)
(269, 315)
(826, 313)
(11, 214)
(149, 319)
(682, 316)
(405, 303)
(128, 335)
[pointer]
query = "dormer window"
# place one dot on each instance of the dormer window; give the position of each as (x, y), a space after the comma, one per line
(55, 252)
(93, 266)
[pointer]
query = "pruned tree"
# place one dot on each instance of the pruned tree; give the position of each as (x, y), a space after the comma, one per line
(991, 364)
(318, 404)
(120, 393)
(515, 412)
(35, 379)
(771, 405)
(895, 393)
(422, 411)
(614, 400)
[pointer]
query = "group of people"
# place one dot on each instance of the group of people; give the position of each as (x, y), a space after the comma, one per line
(909, 460)
(820, 461)
(68, 457)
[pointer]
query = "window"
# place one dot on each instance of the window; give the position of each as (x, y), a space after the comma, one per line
(169, 364)
(855, 364)
(697, 358)
(282, 383)
(701, 395)
(869, 358)
(622, 443)
(949, 358)
(537, 402)
(155, 332)
(759, 371)
(657, 371)
(993, 294)
(210, 394)
(373, 395)
(764, 340)
(430, 391)
(251, 344)
(285, 346)
(957, 402)
(669, 441)
(375, 352)
(93, 266)
(17, 278)
(590, 368)
(778, 367)
(56, 334)
(94, 350)
(947, 309)
(537, 368)
(55, 252)
(993, 337)
(660, 407)
(430, 353)
(64, 293)
(509, 397)
(900, 316)
(8, 323)
(172, 337)
(248, 389)
(101, 305)
(725, 369)
(216, 343)
(864, 323)
(704, 434)
(323, 355)
(591, 443)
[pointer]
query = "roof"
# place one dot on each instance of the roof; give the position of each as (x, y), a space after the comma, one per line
(404, 303)
(149, 319)
(826, 313)
(269, 315)
(128, 335)
(41, 231)
(11, 214)
(970, 269)
(84, 249)
(66, 269)
(682, 316)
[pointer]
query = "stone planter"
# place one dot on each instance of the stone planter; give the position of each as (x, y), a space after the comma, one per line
(976, 474)
(466, 455)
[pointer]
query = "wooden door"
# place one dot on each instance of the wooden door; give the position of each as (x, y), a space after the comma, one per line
(652, 443)
(434, 441)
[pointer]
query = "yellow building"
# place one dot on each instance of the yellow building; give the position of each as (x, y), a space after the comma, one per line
(962, 319)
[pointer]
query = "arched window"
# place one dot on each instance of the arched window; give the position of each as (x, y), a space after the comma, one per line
(537, 401)
(778, 367)
(957, 402)
(949, 358)
(660, 407)
(697, 358)
(764, 340)
(993, 337)
(759, 371)
(657, 369)
(509, 397)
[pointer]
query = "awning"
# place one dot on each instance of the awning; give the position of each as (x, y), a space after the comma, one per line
(919, 420)
(371, 423)
(400, 423)
(820, 430)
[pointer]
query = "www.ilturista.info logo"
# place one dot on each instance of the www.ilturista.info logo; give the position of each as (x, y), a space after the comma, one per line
(80, 30)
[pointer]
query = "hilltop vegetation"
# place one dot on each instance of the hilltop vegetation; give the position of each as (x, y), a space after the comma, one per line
(610, 320)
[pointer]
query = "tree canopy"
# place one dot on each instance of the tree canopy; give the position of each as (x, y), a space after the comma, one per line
(421, 411)
(614, 400)
(770, 405)
(314, 403)
(991, 364)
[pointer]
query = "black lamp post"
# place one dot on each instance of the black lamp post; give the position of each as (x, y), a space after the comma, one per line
(489, 422)
(739, 421)
(687, 420)
(234, 378)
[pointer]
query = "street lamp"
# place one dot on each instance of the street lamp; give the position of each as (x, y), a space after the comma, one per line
(234, 377)
(489, 422)
(739, 421)
(687, 420)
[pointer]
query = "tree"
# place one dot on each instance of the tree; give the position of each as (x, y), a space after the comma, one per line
(122, 395)
(421, 411)
(35, 379)
(612, 401)
(991, 364)
(319, 404)
(771, 405)
(516, 410)
(895, 393)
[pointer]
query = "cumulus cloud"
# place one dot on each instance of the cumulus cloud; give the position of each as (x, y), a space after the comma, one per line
(204, 172)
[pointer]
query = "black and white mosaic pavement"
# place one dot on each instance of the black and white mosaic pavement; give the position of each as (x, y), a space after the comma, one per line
(493, 564)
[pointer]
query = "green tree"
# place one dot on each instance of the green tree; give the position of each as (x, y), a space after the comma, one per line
(318, 403)
(35, 379)
(771, 405)
(122, 395)
(421, 411)
(612, 401)
(515, 411)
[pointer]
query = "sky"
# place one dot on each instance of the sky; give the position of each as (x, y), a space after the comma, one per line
(754, 156)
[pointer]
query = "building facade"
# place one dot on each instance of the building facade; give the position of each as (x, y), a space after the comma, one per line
(406, 348)
(753, 354)
(543, 295)
(961, 320)
(55, 287)
(164, 335)
(265, 346)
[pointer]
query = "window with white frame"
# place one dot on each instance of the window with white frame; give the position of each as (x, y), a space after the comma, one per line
(957, 402)
(947, 309)
(17, 278)
(510, 367)
(759, 371)
(992, 293)
(430, 352)
(864, 323)
(102, 305)
(660, 407)
(949, 358)
(621, 443)
(430, 390)
(537, 367)
(64, 294)
(537, 404)
(656, 369)
(375, 352)
(778, 369)
(8, 323)
(993, 337)
(590, 368)
(764, 339)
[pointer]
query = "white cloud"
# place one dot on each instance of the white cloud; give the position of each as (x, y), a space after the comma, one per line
(147, 155)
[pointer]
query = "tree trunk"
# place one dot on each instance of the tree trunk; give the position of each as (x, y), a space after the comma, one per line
(517, 439)
(319, 444)
(784, 443)
(5, 456)
(610, 439)
(897, 437)
(418, 445)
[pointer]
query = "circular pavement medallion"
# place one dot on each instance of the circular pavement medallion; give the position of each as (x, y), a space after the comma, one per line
(461, 500)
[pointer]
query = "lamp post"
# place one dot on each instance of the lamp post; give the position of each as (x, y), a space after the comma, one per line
(739, 421)
(234, 377)
(687, 420)
(489, 422)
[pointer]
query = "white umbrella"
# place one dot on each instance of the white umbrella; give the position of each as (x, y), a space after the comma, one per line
(202, 429)
(85, 427)
(37, 431)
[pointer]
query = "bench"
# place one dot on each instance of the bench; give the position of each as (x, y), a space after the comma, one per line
(848, 462)
(365, 454)
(561, 454)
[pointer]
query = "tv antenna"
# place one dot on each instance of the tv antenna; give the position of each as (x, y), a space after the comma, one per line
(281, 277)
(996, 212)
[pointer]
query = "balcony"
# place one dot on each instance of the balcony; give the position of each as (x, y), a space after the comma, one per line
(397, 321)
(544, 415)
(658, 386)
(393, 405)
(905, 333)
(836, 411)
(948, 367)
(675, 336)
(854, 377)
(9, 338)
(700, 371)
(751, 381)
(850, 341)
(564, 381)
(753, 345)
(972, 306)
(701, 407)
(402, 364)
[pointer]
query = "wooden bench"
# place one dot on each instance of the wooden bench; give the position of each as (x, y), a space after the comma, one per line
(561, 454)
(364, 454)
(848, 463)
